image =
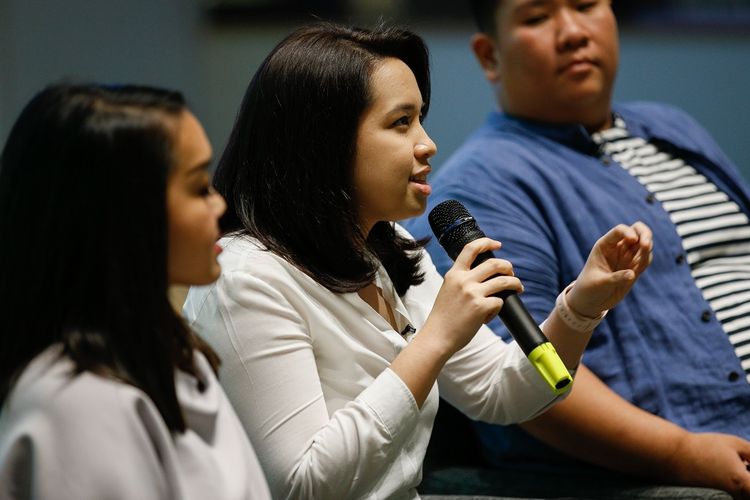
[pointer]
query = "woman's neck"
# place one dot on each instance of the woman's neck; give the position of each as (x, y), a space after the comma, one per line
(373, 296)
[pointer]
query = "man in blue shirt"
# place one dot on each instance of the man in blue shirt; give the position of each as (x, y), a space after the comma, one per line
(664, 392)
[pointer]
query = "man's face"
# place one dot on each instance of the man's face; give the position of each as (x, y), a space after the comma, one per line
(557, 59)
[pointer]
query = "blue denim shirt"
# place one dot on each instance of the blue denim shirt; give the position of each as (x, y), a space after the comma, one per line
(548, 194)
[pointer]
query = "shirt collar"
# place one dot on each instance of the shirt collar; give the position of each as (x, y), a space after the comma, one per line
(575, 135)
(572, 135)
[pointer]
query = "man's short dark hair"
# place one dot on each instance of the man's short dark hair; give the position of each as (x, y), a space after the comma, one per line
(484, 15)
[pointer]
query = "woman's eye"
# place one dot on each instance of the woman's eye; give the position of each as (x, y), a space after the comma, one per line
(404, 120)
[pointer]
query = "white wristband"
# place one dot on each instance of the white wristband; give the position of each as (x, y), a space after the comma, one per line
(573, 319)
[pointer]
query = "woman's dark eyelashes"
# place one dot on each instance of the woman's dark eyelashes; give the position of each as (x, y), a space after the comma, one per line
(403, 120)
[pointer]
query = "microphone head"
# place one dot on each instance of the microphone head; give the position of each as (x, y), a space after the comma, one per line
(453, 226)
(445, 214)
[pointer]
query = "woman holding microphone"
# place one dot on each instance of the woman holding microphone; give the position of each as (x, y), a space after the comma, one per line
(335, 328)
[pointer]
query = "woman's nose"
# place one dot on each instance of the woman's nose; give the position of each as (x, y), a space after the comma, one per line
(425, 148)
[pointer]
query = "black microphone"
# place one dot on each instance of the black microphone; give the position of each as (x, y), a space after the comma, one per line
(454, 228)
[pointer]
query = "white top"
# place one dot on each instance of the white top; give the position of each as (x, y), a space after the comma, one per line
(89, 437)
(307, 371)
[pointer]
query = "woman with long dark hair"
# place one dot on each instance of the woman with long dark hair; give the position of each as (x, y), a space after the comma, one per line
(105, 201)
(333, 323)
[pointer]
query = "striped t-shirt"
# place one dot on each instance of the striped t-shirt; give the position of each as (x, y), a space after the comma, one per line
(715, 232)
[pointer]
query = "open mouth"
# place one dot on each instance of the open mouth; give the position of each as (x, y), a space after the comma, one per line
(420, 182)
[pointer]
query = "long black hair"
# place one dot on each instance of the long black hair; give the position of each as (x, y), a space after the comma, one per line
(83, 223)
(287, 171)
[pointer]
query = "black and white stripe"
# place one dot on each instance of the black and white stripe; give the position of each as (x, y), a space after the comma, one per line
(715, 232)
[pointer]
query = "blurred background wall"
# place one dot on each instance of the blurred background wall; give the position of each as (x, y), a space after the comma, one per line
(689, 53)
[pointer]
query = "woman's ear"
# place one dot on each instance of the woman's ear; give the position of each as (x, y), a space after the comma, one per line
(485, 50)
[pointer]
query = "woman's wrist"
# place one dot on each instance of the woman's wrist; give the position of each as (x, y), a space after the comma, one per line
(435, 342)
(572, 318)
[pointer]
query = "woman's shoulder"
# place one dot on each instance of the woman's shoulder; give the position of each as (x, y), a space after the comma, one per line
(58, 424)
(246, 262)
(245, 254)
(51, 393)
(56, 416)
(249, 273)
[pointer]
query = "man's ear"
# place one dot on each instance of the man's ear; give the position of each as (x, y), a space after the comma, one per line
(484, 48)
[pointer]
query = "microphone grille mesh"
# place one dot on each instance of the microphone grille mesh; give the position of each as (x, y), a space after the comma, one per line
(445, 214)
(453, 226)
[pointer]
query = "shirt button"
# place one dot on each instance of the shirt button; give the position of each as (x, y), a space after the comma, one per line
(733, 376)
(606, 160)
(679, 259)
(706, 316)
(650, 198)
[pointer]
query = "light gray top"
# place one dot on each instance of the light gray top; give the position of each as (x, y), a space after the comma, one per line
(89, 437)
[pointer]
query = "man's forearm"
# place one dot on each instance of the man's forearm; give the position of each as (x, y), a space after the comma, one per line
(595, 424)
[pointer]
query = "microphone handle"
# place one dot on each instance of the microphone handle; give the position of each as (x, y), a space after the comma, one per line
(516, 318)
(530, 337)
